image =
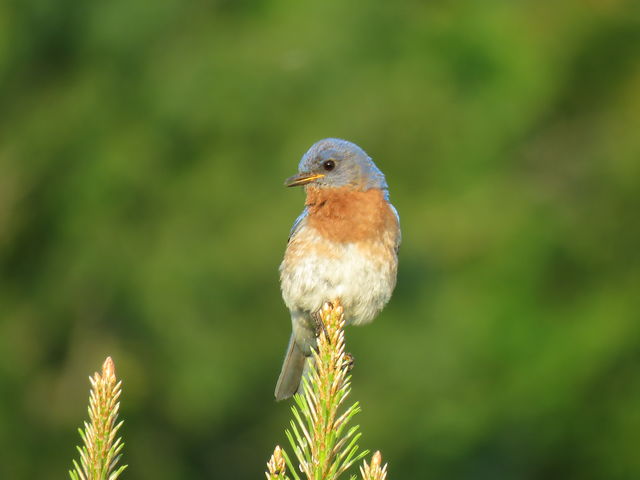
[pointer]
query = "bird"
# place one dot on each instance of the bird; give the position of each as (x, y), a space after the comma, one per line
(342, 247)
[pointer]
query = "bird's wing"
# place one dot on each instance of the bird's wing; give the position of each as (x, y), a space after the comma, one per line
(399, 240)
(298, 223)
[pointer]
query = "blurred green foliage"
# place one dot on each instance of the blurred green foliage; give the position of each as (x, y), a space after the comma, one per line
(143, 146)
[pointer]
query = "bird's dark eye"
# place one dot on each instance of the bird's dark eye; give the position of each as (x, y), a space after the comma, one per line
(329, 165)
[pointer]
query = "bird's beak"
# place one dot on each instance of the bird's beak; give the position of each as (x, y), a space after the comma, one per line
(302, 179)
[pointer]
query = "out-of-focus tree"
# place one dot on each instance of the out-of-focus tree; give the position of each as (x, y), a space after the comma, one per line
(142, 215)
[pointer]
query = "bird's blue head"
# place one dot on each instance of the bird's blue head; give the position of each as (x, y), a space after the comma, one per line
(334, 163)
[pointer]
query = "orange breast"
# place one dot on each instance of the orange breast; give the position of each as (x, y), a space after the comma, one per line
(345, 215)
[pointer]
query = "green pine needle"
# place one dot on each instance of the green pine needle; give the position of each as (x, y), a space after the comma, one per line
(101, 450)
(324, 443)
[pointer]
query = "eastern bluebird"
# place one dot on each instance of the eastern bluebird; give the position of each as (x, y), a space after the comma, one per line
(343, 246)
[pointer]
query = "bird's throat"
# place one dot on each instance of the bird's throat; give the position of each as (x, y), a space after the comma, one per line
(347, 215)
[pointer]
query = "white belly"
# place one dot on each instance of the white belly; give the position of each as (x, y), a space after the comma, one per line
(315, 271)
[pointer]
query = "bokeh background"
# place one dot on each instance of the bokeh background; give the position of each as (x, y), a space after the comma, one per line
(143, 148)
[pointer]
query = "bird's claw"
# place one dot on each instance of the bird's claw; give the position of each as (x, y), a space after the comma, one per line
(349, 361)
(319, 326)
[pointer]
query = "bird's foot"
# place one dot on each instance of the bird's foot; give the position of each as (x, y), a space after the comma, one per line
(349, 360)
(320, 326)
